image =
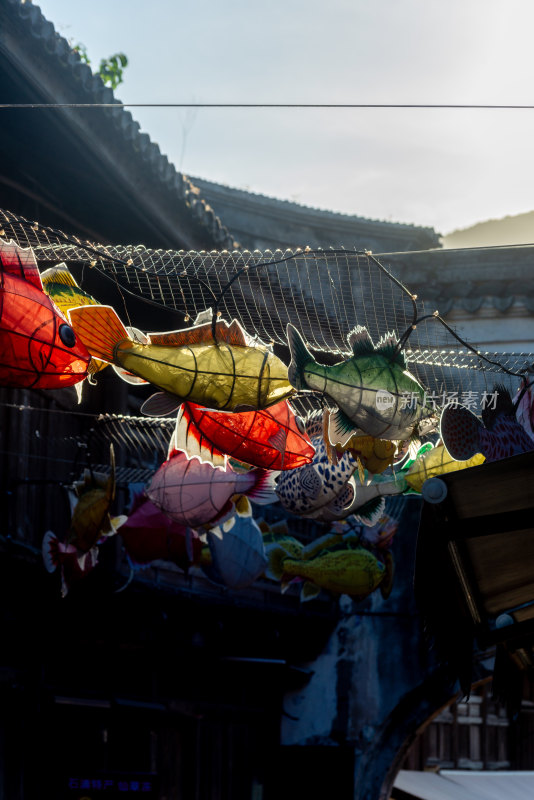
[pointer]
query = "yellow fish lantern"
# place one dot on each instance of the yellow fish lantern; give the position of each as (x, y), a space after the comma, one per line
(229, 373)
(376, 455)
(373, 454)
(345, 568)
(277, 535)
(90, 500)
(90, 516)
(434, 462)
(60, 285)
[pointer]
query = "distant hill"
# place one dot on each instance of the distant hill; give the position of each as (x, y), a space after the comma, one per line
(518, 229)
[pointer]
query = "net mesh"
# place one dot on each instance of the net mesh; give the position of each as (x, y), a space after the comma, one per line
(324, 293)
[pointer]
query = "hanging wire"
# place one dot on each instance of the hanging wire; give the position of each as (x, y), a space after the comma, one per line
(324, 293)
(115, 105)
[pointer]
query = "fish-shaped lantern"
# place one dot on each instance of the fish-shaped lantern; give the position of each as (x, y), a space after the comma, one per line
(373, 389)
(498, 435)
(90, 517)
(149, 535)
(368, 500)
(434, 462)
(72, 563)
(271, 438)
(524, 405)
(278, 534)
(38, 347)
(237, 549)
(90, 500)
(195, 493)
(60, 284)
(229, 373)
(320, 484)
(375, 455)
(380, 536)
(345, 568)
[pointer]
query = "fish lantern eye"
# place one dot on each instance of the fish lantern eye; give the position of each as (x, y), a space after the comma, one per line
(66, 334)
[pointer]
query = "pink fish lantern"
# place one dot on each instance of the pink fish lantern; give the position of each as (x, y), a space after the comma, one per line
(195, 493)
(499, 435)
(148, 534)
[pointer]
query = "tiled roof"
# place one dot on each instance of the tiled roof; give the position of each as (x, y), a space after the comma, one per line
(198, 196)
(262, 222)
(90, 88)
(310, 210)
(468, 279)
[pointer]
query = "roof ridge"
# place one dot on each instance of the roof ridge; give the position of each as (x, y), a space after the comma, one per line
(323, 211)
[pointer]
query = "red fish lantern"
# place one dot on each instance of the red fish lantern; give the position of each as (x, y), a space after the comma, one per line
(271, 438)
(38, 348)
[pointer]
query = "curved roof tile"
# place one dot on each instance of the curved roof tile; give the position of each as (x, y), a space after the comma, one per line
(93, 86)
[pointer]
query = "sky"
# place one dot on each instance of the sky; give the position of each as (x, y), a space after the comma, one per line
(444, 168)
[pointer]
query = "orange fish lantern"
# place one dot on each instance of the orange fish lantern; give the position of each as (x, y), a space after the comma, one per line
(272, 438)
(38, 348)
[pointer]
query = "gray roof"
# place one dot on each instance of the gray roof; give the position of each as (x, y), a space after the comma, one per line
(468, 278)
(172, 210)
(261, 223)
(39, 63)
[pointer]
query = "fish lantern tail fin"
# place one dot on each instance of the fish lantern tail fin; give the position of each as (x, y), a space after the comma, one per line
(300, 356)
(276, 555)
(50, 551)
(263, 491)
(99, 328)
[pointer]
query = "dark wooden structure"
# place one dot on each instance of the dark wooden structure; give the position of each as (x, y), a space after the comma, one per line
(477, 526)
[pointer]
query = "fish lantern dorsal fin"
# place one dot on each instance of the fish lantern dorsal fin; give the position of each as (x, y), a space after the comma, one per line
(203, 317)
(202, 334)
(20, 262)
(59, 274)
(388, 346)
(360, 342)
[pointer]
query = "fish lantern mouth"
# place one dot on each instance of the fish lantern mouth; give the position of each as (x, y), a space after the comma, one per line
(67, 335)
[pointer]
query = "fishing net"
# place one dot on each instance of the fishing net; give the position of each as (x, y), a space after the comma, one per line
(323, 293)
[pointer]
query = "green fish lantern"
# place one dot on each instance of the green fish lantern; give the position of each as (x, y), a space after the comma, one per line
(373, 389)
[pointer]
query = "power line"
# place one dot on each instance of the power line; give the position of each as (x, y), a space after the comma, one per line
(460, 106)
